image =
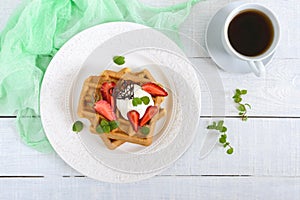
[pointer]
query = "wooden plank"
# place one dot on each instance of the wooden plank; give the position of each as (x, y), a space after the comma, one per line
(18, 159)
(276, 95)
(263, 147)
(253, 188)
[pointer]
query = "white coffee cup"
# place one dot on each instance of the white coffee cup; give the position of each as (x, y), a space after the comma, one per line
(255, 62)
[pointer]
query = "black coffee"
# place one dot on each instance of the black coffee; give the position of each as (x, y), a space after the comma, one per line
(251, 33)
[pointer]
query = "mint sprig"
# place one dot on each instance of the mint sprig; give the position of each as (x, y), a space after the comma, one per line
(138, 101)
(106, 126)
(242, 108)
(223, 137)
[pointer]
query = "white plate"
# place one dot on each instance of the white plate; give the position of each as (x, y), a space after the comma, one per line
(57, 110)
(183, 113)
(215, 47)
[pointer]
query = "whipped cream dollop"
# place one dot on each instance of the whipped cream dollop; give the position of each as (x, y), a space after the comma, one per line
(125, 105)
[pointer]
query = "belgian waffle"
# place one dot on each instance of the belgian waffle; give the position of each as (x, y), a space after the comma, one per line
(124, 133)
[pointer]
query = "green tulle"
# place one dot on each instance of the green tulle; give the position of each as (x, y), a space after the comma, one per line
(37, 30)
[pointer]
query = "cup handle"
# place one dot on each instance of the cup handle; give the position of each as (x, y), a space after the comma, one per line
(258, 68)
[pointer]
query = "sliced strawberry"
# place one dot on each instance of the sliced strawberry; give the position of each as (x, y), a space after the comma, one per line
(105, 109)
(107, 90)
(150, 112)
(133, 117)
(154, 89)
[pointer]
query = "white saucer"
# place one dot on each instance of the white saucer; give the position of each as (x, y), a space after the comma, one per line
(215, 47)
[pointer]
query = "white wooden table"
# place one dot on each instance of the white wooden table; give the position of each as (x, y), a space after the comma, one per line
(266, 162)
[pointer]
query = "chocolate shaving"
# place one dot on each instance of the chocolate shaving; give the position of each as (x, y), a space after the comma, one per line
(124, 90)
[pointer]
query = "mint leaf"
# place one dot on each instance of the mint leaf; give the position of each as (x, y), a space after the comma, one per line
(243, 91)
(104, 122)
(214, 124)
(136, 101)
(114, 125)
(220, 125)
(222, 140)
(235, 96)
(210, 127)
(145, 130)
(106, 129)
(99, 129)
(230, 150)
(119, 60)
(241, 108)
(224, 129)
(238, 100)
(77, 126)
(145, 100)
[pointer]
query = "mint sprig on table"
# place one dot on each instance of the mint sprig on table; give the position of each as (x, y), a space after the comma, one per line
(106, 126)
(77, 126)
(242, 107)
(119, 60)
(223, 137)
(138, 101)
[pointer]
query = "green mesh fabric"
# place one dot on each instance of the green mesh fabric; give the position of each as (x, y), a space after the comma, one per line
(37, 30)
